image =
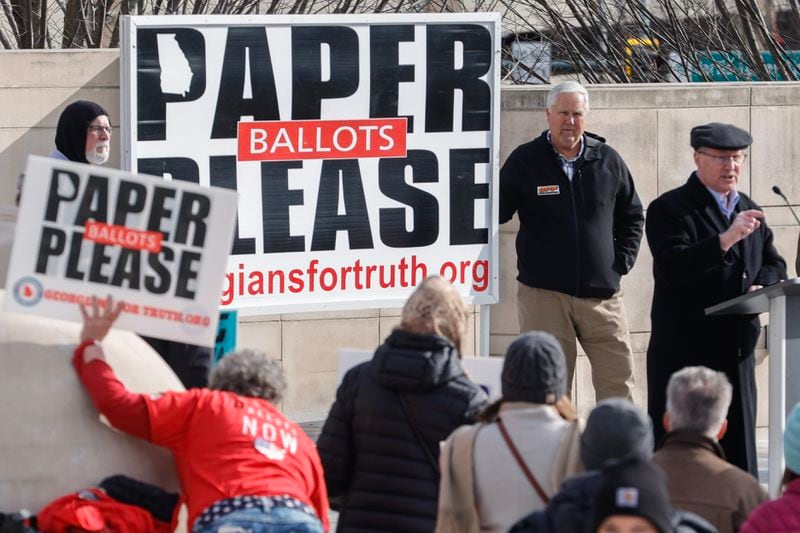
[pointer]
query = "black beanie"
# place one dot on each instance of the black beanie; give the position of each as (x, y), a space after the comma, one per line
(635, 487)
(73, 127)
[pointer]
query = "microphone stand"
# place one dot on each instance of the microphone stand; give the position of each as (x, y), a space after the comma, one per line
(777, 190)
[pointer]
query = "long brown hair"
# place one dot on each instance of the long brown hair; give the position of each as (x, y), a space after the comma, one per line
(563, 407)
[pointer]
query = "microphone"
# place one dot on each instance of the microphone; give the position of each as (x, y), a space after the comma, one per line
(777, 190)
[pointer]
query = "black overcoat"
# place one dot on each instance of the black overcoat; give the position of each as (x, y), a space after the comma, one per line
(692, 273)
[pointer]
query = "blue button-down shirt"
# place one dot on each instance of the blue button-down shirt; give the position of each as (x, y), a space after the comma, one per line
(727, 203)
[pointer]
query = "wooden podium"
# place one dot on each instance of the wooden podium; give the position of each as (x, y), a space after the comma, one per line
(782, 300)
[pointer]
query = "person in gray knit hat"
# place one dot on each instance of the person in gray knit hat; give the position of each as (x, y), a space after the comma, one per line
(615, 429)
(534, 370)
(526, 444)
(616, 432)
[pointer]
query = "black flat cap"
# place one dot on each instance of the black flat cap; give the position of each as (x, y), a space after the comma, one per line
(720, 136)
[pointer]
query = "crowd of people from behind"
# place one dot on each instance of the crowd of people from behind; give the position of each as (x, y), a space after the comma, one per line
(411, 443)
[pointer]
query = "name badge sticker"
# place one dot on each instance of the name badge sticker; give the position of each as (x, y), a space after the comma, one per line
(547, 190)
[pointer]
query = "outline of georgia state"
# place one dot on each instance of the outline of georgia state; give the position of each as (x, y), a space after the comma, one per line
(176, 74)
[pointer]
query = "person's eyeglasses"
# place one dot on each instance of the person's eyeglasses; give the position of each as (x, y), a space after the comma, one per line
(97, 130)
(738, 159)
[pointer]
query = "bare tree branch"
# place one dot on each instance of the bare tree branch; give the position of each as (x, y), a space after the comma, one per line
(5, 41)
(601, 41)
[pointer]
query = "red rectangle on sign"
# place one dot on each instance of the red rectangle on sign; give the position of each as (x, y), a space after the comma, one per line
(277, 140)
(134, 239)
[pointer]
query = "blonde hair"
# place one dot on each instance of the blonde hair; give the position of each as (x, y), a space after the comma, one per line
(436, 308)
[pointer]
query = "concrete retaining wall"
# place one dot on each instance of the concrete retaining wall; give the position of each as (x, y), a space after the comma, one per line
(648, 124)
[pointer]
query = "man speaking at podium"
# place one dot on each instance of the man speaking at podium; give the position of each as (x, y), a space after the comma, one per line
(710, 243)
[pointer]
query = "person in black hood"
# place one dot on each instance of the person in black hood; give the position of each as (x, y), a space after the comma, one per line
(380, 443)
(83, 133)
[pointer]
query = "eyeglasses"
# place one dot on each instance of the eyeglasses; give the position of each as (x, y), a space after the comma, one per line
(97, 130)
(737, 159)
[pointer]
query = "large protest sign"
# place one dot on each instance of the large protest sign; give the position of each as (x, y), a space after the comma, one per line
(161, 247)
(364, 148)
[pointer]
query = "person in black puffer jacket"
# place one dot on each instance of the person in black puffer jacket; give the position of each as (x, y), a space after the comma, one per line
(380, 444)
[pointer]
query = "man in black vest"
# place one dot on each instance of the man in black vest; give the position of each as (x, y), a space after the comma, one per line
(710, 243)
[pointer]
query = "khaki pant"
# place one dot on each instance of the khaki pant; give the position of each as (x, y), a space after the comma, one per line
(599, 324)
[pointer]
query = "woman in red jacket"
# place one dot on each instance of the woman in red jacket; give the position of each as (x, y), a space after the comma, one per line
(783, 514)
(241, 463)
